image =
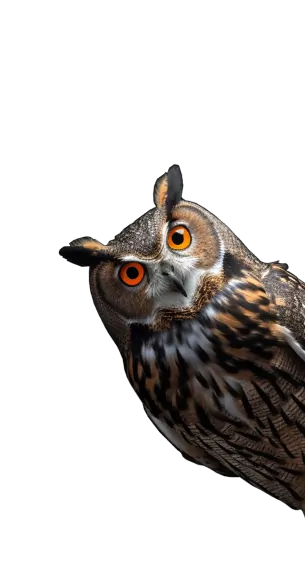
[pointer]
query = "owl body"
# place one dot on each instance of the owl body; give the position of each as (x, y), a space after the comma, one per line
(212, 339)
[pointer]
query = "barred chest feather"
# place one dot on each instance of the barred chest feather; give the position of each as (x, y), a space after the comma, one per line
(220, 389)
(185, 377)
(200, 363)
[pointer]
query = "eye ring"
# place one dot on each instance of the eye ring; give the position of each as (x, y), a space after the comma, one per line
(132, 273)
(179, 238)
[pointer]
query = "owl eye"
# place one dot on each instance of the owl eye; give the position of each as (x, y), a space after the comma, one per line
(179, 238)
(132, 273)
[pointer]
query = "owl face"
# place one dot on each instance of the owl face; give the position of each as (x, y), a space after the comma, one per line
(155, 263)
(158, 263)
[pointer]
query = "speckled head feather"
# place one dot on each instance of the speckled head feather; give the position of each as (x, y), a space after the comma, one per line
(142, 238)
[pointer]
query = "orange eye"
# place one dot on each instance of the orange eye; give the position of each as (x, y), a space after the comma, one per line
(132, 273)
(179, 238)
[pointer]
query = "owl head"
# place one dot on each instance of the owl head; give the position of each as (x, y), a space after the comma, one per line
(157, 267)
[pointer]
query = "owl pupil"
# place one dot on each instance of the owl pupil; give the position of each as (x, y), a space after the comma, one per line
(177, 238)
(132, 273)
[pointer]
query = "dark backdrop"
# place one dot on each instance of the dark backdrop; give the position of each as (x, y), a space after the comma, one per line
(103, 448)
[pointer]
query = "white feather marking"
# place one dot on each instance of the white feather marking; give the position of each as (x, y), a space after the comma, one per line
(144, 320)
(265, 273)
(148, 353)
(217, 267)
(198, 337)
(170, 351)
(233, 284)
(232, 382)
(231, 407)
(210, 311)
(191, 357)
(292, 342)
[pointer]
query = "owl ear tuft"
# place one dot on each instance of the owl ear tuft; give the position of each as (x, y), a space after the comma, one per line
(85, 252)
(168, 189)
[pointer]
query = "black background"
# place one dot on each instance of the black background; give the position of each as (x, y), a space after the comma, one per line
(103, 451)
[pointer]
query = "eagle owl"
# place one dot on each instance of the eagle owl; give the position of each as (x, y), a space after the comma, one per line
(212, 339)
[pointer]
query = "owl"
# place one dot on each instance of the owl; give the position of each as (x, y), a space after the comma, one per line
(212, 339)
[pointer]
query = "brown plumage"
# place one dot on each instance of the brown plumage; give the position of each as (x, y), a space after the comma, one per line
(212, 339)
(249, 406)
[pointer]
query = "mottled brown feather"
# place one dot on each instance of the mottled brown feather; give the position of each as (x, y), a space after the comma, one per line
(255, 441)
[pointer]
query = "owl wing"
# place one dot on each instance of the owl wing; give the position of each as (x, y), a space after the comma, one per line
(251, 345)
(257, 385)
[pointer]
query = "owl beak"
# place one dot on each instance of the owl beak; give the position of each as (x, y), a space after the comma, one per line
(175, 282)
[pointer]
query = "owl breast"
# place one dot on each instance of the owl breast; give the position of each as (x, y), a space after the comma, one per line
(175, 373)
